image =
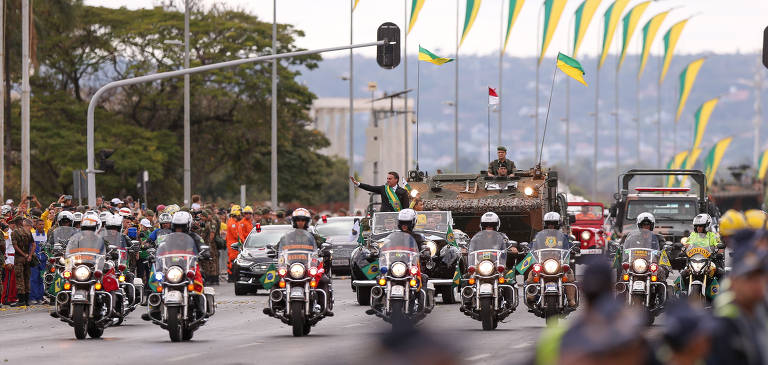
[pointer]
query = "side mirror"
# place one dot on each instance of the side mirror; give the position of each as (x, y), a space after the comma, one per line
(270, 246)
(613, 212)
(235, 246)
(325, 246)
(134, 243)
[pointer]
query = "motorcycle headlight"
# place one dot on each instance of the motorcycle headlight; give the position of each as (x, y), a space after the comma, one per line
(585, 235)
(528, 191)
(485, 268)
(297, 271)
(432, 248)
(697, 266)
(551, 266)
(82, 273)
(174, 275)
(398, 269)
(640, 266)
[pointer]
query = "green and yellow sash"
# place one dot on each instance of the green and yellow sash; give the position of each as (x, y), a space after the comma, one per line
(393, 200)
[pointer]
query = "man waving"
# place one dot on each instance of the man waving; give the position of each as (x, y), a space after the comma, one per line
(393, 197)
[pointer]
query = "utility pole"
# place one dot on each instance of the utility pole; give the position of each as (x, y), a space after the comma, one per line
(25, 91)
(187, 128)
(2, 100)
(501, 66)
(456, 99)
(405, 82)
(273, 187)
(351, 187)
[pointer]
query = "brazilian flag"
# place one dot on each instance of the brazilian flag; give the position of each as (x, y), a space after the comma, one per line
(714, 288)
(525, 263)
(153, 283)
(56, 285)
(510, 276)
(268, 279)
(450, 238)
(678, 284)
(456, 278)
(371, 270)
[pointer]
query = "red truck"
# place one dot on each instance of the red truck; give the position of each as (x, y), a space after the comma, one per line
(588, 227)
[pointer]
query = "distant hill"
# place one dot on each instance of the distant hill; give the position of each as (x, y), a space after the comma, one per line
(729, 76)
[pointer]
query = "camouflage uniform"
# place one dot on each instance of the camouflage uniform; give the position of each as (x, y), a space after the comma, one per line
(207, 230)
(493, 167)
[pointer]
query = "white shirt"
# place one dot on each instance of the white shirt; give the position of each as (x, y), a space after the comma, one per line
(9, 251)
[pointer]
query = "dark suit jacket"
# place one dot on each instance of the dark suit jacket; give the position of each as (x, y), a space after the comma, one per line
(402, 195)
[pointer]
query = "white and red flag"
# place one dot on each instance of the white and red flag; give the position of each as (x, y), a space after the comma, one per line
(493, 97)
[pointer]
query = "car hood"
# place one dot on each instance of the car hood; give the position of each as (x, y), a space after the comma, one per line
(343, 240)
(255, 255)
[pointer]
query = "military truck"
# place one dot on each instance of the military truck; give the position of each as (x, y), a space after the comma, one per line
(742, 192)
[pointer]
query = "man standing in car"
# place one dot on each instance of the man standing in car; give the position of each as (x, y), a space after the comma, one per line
(393, 197)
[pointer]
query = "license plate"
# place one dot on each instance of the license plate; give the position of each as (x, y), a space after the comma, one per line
(486, 288)
(78, 296)
(550, 287)
(591, 251)
(398, 291)
(297, 292)
(638, 285)
(173, 297)
(340, 262)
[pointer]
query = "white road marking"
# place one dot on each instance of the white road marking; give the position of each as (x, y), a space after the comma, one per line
(247, 345)
(184, 357)
(477, 357)
(352, 325)
(521, 345)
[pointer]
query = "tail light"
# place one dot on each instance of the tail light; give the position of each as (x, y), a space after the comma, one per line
(537, 268)
(566, 268)
(282, 271)
(501, 269)
(121, 267)
(471, 270)
(414, 270)
(190, 274)
(654, 267)
(258, 227)
(97, 274)
(312, 271)
(625, 266)
(67, 274)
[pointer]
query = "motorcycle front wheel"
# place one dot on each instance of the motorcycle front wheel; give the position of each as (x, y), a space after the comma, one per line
(297, 318)
(487, 314)
(175, 328)
(80, 322)
(95, 331)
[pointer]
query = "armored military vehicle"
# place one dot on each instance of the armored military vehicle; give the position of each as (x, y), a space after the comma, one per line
(743, 191)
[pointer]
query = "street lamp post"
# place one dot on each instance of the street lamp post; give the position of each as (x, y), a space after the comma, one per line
(187, 129)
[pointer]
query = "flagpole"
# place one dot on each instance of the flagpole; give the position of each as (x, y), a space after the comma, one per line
(351, 111)
(489, 132)
(501, 67)
(597, 118)
(418, 104)
(567, 174)
(658, 114)
(538, 65)
(546, 119)
(405, 81)
(456, 99)
(616, 109)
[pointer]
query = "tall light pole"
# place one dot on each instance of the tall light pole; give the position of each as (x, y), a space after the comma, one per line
(187, 129)
(2, 101)
(501, 66)
(351, 187)
(405, 83)
(25, 97)
(456, 100)
(273, 185)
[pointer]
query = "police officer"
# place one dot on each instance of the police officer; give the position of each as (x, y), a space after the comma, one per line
(207, 231)
(301, 218)
(182, 222)
(493, 167)
(552, 237)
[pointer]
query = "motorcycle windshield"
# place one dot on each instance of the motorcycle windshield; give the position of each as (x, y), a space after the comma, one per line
(86, 248)
(549, 238)
(398, 246)
(487, 245)
(433, 222)
(62, 234)
(640, 239)
(176, 249)
(550, 253)
(299, 246)
(115, 238)
(383, 222)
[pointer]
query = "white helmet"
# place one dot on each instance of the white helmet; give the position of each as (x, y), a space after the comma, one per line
(702, 220)
(552, 217)
(164, 218)
(646, 217)
(301, 214)
(91, 221)
(172, 209)
(114, 220)
(103, 216)
(77, 217)
(489, 219)
(6, 209)
(181, 219)
(65, 215)
(406, 217)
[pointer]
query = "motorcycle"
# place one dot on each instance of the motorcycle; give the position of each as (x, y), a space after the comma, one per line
(297, 300)
(642, 278)
(400, 296)
(488, 297)
(54, 268)
(179, 303)
(86, 301)
(699, 272)
(550, 281)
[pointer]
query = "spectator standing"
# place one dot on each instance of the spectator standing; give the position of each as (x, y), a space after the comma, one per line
(8, 292)
(36, 286)
(233, 236)
(24, 247)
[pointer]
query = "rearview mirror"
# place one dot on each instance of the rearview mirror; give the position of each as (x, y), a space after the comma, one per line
(235, 246)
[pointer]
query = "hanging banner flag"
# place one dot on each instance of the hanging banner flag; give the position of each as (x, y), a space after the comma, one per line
(690, 162)
(670, 41)
(714, 157)
(469, 17)
(355, 5)
(571, 67)
(611, 21)
(674, 164)
(493, 97)
(649, 34)
(582, 20)
(553, 9)
(687, 78)
(416, 6)
(701, 119)
(426, 55)
(514, 11)
(629, 24)
(762, 165)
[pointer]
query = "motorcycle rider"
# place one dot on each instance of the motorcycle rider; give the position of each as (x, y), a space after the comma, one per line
(490, 222)
(77, 218)
(182, 222)
(301, 218)
(647, 221)
(702, 236)
(406, 221)
(552, 237)
(165, 227)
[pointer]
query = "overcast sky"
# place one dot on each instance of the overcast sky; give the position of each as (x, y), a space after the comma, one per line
(717, 26)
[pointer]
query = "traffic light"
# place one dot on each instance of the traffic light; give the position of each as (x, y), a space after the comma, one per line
(105, 164)
(388, 55)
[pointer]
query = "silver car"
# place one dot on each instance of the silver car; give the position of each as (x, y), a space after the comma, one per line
(340, 233)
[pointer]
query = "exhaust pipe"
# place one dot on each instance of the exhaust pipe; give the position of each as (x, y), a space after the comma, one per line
(532, 290)
(468, 292)
(621, 287)
(377, 292)
(276, 296)
(154, 299)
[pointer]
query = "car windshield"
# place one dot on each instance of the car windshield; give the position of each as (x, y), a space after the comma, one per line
(663, 209)
(265, 237)
(338, 228)
(586, 212)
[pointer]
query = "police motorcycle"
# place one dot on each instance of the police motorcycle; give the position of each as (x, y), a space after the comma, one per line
(643, 278)
(549, 279)
(700, 271)
(401, 295)
(150, 247)
(298, 300)
(54, 248)
(131, 288)
(487, 296)
(86, 300)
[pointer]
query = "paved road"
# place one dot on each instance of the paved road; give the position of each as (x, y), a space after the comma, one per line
(239, 333)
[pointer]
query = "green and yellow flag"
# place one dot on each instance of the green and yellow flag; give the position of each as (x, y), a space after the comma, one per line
(426, 55)
(687, 78)
(670, 42)
(762, 165)
(714, 157)
(690, 162)
(514, 10)
(553, 9)
(675, 164)
(450, 238)
(269, 278)
(582, 20)
(649, 34)
(611, 21)
(527, 261)
(701, 119)
(416, 6)
(473, 6)
(456, 278)
(371, 270)
(571, 67)
(629, 24)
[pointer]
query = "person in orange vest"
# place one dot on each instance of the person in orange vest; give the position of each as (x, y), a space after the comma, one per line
(246, 224)
(233, 236)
